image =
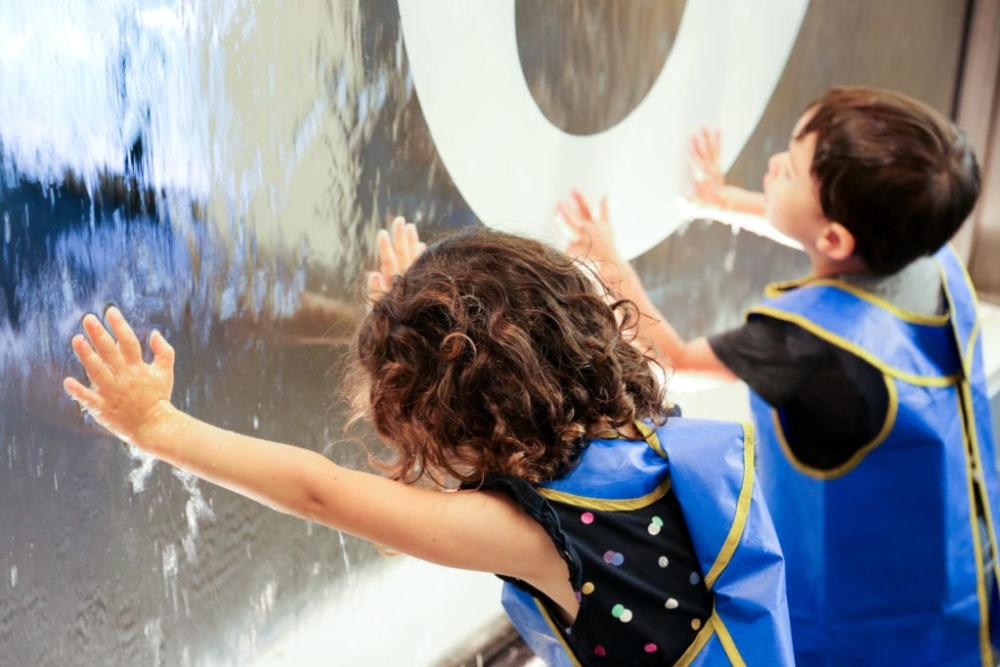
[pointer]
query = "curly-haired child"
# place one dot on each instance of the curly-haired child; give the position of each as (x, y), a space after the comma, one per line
(495, 362)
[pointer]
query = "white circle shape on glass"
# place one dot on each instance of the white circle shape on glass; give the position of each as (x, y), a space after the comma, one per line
(512, 165)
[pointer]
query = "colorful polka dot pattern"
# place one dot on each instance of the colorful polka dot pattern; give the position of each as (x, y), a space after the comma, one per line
(616, 559)
(613, 558)
(622, 613)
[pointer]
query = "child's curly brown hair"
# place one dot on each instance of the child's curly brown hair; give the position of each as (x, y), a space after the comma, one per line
(495, 354)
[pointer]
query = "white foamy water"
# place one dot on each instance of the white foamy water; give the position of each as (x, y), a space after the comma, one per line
(82, 80)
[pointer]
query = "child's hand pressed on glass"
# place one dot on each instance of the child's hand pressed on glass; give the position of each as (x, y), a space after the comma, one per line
(126, 394)
(398, 248)
(709, 181)
(593, 236)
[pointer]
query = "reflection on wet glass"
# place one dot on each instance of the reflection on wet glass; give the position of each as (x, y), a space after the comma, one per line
(216, 171)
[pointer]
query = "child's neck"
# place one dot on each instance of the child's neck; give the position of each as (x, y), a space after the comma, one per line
(824, 267)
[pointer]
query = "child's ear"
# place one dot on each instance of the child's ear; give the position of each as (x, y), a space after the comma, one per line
(836, 242)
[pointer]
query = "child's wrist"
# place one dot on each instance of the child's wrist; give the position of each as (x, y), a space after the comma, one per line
(157, 427)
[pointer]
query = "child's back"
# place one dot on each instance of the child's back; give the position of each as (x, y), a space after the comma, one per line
(888, 542)
(622, 516)
(505, 346)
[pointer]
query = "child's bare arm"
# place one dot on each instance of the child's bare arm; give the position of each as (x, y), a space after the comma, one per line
(131, 398)
(709, 181)
(595, 241)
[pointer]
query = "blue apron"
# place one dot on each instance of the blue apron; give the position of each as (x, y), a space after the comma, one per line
(886, 559)
(711, 467)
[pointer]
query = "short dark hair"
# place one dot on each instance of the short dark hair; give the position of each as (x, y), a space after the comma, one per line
(501, 355)
(894, 171)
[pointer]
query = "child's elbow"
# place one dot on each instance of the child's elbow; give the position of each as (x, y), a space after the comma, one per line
(314, 501)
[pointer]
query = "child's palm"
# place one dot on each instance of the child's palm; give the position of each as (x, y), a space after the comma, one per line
(593, 236)
(709, 181)
(125, 393)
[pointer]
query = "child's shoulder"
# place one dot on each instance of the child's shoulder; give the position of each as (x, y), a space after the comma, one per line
(915, 289)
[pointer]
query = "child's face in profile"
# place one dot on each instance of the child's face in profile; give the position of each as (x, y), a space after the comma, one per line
(791, 193)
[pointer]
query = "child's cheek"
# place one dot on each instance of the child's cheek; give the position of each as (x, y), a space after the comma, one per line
(774, 212)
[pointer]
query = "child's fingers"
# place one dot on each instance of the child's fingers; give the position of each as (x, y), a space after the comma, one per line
(697, 169)
(93, 365)
(87, 398)
(102, 341)
(412, 242)
(604, 209)
(714, 141)
(376, 285)
(163, 352)
(696, 148)
(388, 263)
(127, 341)
(399, 237)
(581, 203)
(576, 248)
(571, 218)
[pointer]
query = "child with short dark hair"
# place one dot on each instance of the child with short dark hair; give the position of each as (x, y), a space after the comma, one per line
(625, 538)
(866, 377)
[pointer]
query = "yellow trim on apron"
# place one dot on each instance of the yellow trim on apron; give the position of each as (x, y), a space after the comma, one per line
(608, 504)
(970, 348)
(726, 639)
(891, 412)
(742, 510)
(973, 441)
(702, 638)
(775, 290)
(985, 649)
(651, 438)
(858, 351)
(970, 441)
(555, 632)
(965, 350)
(965, 274)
